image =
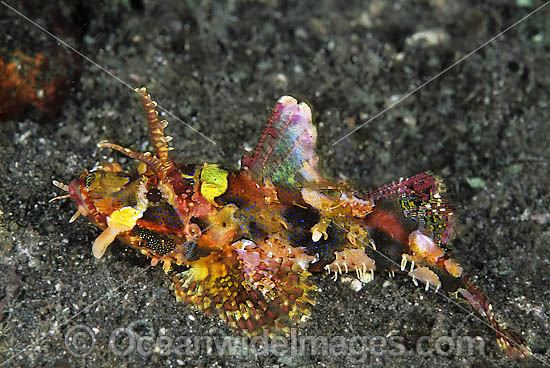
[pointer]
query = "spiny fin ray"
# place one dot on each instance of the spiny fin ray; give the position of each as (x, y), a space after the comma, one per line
(285, 152)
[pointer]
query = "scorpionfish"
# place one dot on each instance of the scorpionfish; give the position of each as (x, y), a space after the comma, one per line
(243, 244)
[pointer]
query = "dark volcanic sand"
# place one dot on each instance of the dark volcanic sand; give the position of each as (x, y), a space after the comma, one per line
(483, 126)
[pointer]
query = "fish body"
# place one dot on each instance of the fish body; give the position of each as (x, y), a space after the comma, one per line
(243, 244)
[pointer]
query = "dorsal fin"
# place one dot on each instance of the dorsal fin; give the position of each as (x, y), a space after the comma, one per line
(285, 152)
(422, 198)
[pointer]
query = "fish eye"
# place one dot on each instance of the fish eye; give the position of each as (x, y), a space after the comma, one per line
(89, 179)
(154, 195)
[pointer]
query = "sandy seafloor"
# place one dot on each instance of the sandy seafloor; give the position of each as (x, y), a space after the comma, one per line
(483, 126)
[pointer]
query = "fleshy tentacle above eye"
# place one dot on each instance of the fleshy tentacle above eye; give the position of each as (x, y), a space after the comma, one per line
(160, 163)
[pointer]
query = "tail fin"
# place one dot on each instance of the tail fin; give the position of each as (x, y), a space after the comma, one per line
(507, 339)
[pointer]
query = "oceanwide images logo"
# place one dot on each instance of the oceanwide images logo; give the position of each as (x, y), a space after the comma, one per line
(81, 340)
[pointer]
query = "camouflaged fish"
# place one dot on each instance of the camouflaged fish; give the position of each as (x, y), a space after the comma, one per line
(242, 245)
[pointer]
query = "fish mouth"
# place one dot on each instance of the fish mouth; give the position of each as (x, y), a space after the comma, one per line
(84, 205)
